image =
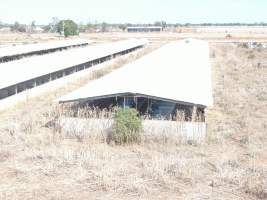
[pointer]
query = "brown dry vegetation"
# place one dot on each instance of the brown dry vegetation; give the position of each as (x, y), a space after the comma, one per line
(25, 38)
(38, 162)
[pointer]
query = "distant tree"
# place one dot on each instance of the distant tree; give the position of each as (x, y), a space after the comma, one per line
(123, 27)
(33, 26)
(18, 27)
(47, 28)
(67, 27)
(187, 24)
(85, 27)
(53, 24)
(157, 23)
(104, 27)
(22, 29)
(163, 24)
(91, 25)
(82, 28)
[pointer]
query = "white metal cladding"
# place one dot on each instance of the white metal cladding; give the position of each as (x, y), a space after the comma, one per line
(26, 69)
(28, 48)
(178, 71)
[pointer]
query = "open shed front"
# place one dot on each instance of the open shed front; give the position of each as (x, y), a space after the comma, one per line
(148, 106)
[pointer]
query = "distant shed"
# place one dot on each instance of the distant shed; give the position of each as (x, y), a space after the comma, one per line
(144, 29)
(17, 52)
(25, 74)
(175, 77)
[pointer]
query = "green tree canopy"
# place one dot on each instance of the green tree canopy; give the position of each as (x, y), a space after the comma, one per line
(67, 27)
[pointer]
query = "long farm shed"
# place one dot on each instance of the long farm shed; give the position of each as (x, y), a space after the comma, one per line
(174, 77)
(25, 74)
(20, 51)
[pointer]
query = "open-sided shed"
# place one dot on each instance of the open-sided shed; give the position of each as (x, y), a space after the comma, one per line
(174, 77)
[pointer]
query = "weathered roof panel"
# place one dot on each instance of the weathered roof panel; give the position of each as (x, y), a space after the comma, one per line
(178, 71)
(29, 68)
(27, 48)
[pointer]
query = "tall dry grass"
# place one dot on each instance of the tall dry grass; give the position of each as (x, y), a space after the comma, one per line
(96, 125)
(38, 161)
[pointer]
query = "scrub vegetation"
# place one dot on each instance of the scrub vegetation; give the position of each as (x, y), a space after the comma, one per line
(40, 160)
(127, 126)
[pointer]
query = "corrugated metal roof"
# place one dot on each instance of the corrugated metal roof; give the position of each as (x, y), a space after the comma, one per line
(29, 68)
(178, 71)
(27, 48)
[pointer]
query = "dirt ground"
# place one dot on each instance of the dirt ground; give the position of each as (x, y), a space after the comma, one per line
(37, 162)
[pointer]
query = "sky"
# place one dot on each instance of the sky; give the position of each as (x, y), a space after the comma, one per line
(134, 11)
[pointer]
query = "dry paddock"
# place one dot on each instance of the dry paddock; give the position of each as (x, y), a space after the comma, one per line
(38, 162)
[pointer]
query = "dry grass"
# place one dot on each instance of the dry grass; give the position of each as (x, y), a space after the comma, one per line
(25, 38)
(96, 126)
(39, 162)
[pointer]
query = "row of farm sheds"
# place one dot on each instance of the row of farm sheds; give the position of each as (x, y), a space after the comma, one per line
(175, 77)
(27, 68)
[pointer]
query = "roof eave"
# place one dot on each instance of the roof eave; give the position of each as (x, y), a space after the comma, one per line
(133, 94)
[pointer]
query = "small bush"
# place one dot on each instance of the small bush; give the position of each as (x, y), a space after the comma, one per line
(127, 126)
(251, 56)
(228, 36)
(243, 45)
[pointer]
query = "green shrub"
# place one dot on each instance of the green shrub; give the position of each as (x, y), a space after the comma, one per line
(127, 126)
(67, 27)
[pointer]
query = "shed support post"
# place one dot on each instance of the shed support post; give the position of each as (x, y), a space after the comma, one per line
(16, 89)
(147, 106)
(136, 102)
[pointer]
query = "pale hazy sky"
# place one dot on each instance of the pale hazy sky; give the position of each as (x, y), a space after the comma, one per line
(134, 11)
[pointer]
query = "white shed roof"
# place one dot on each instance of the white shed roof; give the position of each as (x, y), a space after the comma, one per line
(27, 48)
(178, 71)
(29, 68)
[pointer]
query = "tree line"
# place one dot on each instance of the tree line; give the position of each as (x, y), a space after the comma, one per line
(69, 27)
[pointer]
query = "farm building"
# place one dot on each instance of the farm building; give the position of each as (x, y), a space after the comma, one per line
(25, 74)
(144, 29)
(10, 53)
(174, 77)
